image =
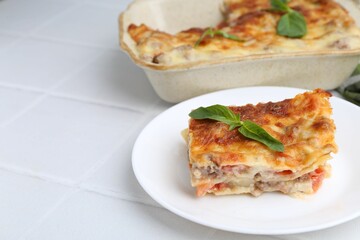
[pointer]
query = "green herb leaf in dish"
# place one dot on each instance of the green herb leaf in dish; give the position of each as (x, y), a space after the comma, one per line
(212, 32)
(292, 24)
(247, 128)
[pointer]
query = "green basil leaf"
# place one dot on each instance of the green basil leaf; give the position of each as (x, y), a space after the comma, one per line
(251, 130)
(228, 35)
(247, 128)
(209, 31)
(279, 5)
(218, 113)
(292, 24)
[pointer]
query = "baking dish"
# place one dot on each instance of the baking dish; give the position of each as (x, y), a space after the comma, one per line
(325, 69)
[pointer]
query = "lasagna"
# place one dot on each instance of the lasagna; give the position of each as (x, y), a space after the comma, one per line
(225, 162)
(329, 27)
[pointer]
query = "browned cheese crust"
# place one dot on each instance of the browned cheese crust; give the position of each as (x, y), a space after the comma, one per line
(329, 25)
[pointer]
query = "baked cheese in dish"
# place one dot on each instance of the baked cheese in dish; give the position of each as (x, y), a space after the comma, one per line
(329, 28)
(225, 162)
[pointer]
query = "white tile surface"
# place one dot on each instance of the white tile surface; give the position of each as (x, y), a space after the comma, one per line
(116, 176)
(23, 16)
(347, 231)
(6, 40)
(62, 138)
(86, 24)
(89, 216)
(113, 79)
(237, 236)
(23, 201)
(42, 64)
(160, 107)
(121, 4)
(13, 101)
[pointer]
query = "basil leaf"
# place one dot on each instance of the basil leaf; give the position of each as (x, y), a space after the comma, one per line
(228, 35)
(218, 113)
(279, 5)
(251, 130)
(292, 24)
(247, 128)
(209, 31)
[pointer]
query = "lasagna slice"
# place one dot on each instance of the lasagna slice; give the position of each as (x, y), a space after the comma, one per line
(225, 162)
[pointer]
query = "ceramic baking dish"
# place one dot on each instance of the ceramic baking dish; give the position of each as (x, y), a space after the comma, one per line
(322, 69)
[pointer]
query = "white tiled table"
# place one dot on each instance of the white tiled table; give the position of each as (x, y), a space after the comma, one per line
(71, 106)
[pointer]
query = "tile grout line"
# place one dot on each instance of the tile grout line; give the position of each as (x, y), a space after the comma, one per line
(97, 165)
(211, 233)
(67, 196)
(47, 93)
(50, 92)
(152, 109)
(74, 72)
(33, 34)
(72, 42)
(21, 88)
(283, 237)
(277, 237)
(24, 110)
(73, 185)
(46, 215)
(15, 42)
(103, 4)
(93, 102)
(119, 196)
(53, 18)
(11, 33)
(22, 37)
(103, 161)
(44, 177)
(67, 97)
(72, 192)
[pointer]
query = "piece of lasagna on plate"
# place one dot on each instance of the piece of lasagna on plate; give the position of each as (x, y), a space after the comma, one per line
(222, 161)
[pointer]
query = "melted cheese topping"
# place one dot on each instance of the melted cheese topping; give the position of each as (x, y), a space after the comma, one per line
(303, 124)
(329, 28)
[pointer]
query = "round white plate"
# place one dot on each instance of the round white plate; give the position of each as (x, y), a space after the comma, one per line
(160, 163)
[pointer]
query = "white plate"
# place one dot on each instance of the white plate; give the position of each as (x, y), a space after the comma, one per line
(160, 163)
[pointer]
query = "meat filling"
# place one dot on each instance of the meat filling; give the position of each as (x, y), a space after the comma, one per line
(308, 183)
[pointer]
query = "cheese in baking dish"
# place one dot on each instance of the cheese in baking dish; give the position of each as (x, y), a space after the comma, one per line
(225, 162)
(329, 28)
